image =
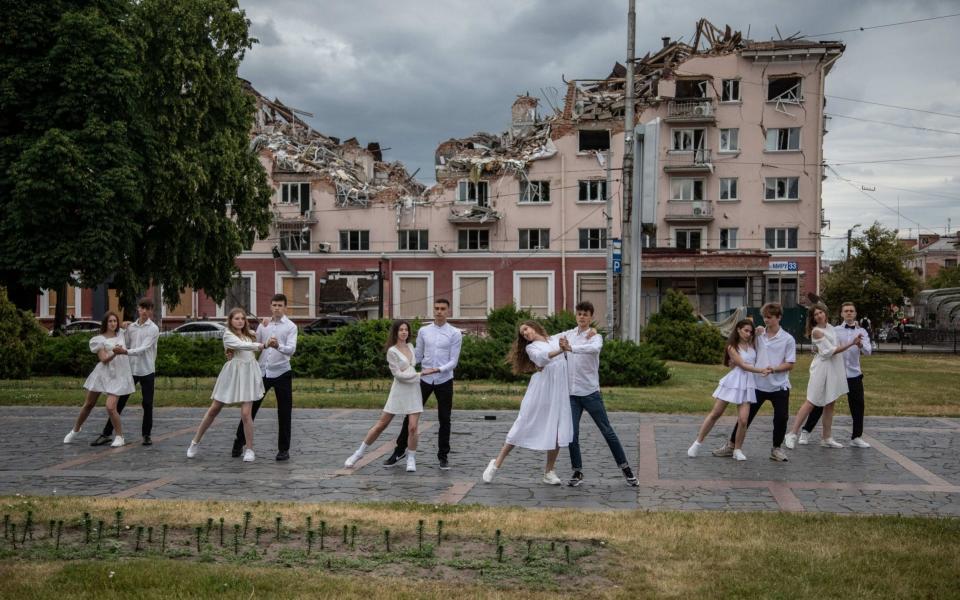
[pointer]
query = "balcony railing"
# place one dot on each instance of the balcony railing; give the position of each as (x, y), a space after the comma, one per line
(698, 160)
(307, 217)
(690, 110)
(689, 210)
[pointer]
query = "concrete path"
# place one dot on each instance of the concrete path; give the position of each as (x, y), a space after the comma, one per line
(912, 469)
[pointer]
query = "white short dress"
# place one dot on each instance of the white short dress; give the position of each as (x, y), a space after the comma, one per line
(739, 386)
(828, 375)
(114, 377)
(545, 421)
(240, 379)
(405, 397)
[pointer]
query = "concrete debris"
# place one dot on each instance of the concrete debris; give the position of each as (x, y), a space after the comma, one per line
(475, 214)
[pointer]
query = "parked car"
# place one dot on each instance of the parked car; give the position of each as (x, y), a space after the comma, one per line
(82, 326)
(200, 329)
(328, 324)
(894, 334)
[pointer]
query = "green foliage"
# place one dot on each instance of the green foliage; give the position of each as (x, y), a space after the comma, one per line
(947, 277)
(65, 355)
(20, 339)
(675, 333)
(563, 320)
(358, 350)
(625, 363)
(181, 356)
(502, 322)
(675, 308)
(484, 358)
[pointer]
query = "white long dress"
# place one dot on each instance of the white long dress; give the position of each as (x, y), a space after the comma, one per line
(405, 397)
(545, 421)
(828, 376)
(114, 377)
(240, 379)
(739, 386)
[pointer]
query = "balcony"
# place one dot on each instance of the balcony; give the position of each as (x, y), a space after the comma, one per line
(695, 211)
(476, 216)
(698, 110)
(294, 218)
(697, 161)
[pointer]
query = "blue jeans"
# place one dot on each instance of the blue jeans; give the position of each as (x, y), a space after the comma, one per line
(593, 404)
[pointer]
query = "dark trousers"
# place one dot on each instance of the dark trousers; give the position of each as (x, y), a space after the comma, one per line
(283, 389)
(593, 404)
(854, 400)
(146, 388)
(444, 393)
(780, 400)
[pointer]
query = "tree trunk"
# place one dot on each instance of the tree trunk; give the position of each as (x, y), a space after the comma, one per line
(60, 314)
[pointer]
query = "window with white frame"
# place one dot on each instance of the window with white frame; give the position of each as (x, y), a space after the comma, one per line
(48, 303)
(730, 90)
(242, 293)
(299, 292)
(728, 238)
(534, 239)
(534, 192)
(412, 294)
(688, 140)
(592, 287)
(473, 239)
(474, 193)
(472, 294)
(783, 139)
(781, 188)
(593, 238)
(687, 239)
(686, 189)
(730, 140)
(728, 189)
(780, 238)
(294, 240)
(594, 140)
(593, 190)
(186, 305)
(354, 240)
(533, 291)
(413, 239)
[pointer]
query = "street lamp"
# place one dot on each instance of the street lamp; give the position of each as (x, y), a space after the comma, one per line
(849, 237)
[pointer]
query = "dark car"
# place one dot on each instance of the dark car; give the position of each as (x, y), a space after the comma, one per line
(329, 324)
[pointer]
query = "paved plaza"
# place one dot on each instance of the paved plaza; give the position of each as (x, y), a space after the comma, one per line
(913, 467)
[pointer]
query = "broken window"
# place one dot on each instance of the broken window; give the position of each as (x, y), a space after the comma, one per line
(728, 239)
(476, 193)
(296, 193)
(728, 188)
(353, 240)
(413, 239)
(780, 238)
(730, 90)
(593, 190)
(688, 139)
(534, 239)
(686, 189)
(594, 139)
(688, 239)
(295, 240)
(729, 140)
(782, 188)
(784, 89)
(593, 239)
(532, 192)
(348, 196)
(691, 88)
(473, 239)
(787, 138)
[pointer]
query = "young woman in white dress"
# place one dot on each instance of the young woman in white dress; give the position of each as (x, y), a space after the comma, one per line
(240, 382)
(736, 387)
(405, 398)
(828, 377)
(545, 421)
(112, 376)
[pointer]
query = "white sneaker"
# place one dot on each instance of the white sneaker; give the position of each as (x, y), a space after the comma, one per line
(248, 455)
(550, 478)
(193, 449)
(490, 471)
(804, 437)
(117, 441)
(830, 443)
(859, 443)
(739, 455)
(411, 463)
(694, 449)
(790, 441)
(71, 436)
(354, 458)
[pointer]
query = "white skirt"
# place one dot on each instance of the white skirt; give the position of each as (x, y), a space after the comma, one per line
(737, 387)
(239, 381)
(114, 378)
(405, 398)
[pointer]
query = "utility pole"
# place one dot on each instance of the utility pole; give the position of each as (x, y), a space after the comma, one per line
(629, 280)
(608, 192)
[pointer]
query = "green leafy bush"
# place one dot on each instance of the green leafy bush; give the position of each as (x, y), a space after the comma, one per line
(21, 338)
(625, 363)
(675, 333)
(484, 358)
(65, 355)
(181, 356)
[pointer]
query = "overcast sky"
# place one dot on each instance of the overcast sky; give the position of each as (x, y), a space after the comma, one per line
(413, 73)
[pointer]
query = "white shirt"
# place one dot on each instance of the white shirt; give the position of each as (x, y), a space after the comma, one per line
(772, 352)
(851, 356)
(438, 348)
(274, 362)
(583, 361)
(141, 342)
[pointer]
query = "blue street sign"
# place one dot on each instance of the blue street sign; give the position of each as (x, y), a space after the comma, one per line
(616, 266)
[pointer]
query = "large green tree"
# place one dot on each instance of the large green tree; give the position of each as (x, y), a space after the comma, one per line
(124, 148)
(947, 277)
(874, 277)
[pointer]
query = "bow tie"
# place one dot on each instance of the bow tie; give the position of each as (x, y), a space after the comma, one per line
(850, 326)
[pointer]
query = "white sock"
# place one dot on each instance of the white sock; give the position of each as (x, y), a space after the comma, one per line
(411, 454)
(363, 448)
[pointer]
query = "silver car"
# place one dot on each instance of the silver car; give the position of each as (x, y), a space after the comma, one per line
(199, 329)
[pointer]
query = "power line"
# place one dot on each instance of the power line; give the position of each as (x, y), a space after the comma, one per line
(890, 160)
(921, 110)
(909, 191)
(834, 115)
(884, 25)
(895, 211)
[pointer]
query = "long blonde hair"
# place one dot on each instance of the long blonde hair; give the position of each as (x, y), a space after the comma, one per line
(243, 333)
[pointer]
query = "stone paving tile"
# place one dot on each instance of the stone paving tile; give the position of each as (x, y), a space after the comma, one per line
(699, 498)
(34, 484)
(938, 453)
(942, 504)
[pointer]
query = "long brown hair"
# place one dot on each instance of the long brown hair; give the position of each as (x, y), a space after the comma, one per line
(394, 334)
(733, 340)
(810, 322)
(245, 332)
(106, 319)
(518, 359)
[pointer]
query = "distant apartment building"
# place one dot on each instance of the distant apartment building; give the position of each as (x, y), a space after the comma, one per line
(932, 252)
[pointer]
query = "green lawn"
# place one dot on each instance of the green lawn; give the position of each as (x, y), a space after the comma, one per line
(896, 384)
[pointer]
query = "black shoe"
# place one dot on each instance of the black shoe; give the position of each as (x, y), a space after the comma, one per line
(237, 449)
(631, 480)
(576, 479)
(147, 441)
(394, 458)
(444, 465)
(283, 455)
(101, 440)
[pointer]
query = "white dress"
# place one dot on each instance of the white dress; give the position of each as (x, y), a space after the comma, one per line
(739, 386)
(828, 375)
(545, 421)
(240, 379)
(114, 377)
(405, 397)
